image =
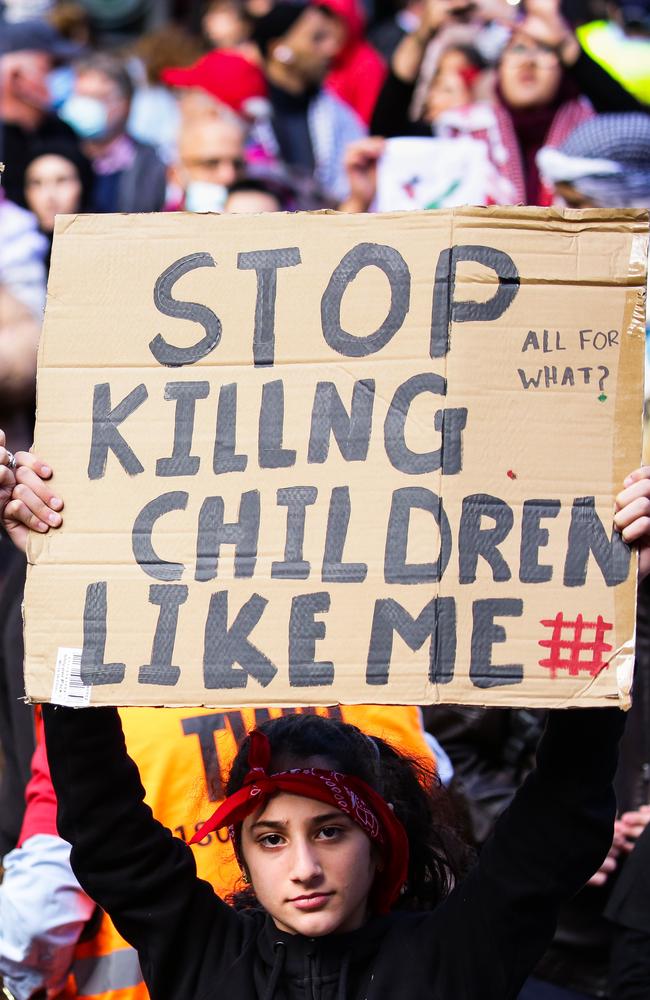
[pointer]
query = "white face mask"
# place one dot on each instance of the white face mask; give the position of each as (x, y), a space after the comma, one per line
(201, 196)
(86, 115)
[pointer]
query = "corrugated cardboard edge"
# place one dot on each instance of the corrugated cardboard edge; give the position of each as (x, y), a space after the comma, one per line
(623, 663)
(622, 660)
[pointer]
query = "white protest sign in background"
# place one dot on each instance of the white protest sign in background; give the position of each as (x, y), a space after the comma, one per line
(422, 173)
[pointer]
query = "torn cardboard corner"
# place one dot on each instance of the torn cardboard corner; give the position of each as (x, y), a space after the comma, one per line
(310, 459)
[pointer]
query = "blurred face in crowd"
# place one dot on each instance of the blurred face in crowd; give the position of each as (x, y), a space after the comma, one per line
(448, 90)
(308, 48)
(224, 25)
(98, 86)
(251, 202)
(210, 159)
(52, 187)
(529, 73)
(24, 93)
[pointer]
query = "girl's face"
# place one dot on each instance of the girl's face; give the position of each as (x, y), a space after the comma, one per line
(310, 865)
(52, 187)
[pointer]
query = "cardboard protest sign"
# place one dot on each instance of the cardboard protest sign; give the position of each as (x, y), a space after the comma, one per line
(324, 458)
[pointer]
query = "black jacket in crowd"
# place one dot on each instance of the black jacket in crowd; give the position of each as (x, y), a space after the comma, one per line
(629, 911)
(479, 944)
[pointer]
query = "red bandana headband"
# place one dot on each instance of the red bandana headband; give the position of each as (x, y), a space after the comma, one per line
(351, 795)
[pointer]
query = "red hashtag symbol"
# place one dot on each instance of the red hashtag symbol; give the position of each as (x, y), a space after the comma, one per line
(592, 660)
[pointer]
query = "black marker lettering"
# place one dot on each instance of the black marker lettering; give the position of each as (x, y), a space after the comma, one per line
(587, 534)
(161, 671)
(105, 434)
(485, 633)
(396, 568)
(388, 260)
(304, 630)
(214, 532)
(165, 353)
(329, 416)
(436, 621)
(181, 463)
(446, 310)
(266, 264)
(224, 646)
(93, 668)
(141, 543)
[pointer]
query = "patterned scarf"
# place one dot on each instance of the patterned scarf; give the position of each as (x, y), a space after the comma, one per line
(561, 123)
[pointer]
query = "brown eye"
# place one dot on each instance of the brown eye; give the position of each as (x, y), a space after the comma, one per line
(330, 832)
(271, 840)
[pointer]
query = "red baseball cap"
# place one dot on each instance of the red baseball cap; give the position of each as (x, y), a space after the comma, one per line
(228, 76)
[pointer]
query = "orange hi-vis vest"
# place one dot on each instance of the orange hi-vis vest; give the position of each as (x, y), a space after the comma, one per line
(184, 756)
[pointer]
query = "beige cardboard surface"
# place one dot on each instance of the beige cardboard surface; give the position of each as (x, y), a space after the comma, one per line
(418, 473)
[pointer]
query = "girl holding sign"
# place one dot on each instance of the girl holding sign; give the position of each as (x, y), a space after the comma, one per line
(352, 889)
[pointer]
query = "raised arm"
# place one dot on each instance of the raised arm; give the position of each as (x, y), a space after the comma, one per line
(544, 847)
(391, 114)
(545, 24)
(141, 875)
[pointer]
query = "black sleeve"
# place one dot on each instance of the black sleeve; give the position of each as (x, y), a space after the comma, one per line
(629, 904)
(544, 847)
(629, 965)
(629, 910)
(142, 876)
(391, 115)
(605, 93)
(16, 717)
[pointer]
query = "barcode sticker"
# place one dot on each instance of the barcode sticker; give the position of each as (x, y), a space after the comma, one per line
(68, 688)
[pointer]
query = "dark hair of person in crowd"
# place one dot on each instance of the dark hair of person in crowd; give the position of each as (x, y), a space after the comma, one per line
(437, 857)
(280, 19)
(111, 67)
(463, 55)
(170, 45)
(264, 196)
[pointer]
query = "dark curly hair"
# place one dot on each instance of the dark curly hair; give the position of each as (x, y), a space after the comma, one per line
(437, 856)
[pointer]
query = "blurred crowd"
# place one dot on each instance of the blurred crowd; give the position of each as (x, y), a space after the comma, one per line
(267, 105)
(281, 105)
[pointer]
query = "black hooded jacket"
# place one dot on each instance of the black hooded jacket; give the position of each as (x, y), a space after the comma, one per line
(479, 944)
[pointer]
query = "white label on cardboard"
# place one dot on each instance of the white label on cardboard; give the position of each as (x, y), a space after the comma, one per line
(68, 688)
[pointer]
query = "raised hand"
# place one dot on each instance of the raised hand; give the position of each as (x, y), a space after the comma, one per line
(361, 158)
(632, 517)
(27, 501)
(545, 24)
